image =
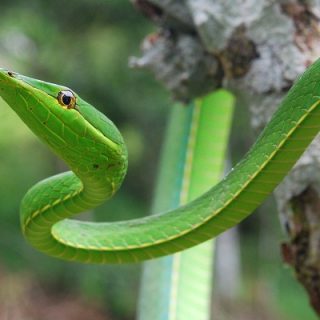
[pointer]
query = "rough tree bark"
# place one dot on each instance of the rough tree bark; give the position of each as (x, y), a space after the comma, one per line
(256, 48)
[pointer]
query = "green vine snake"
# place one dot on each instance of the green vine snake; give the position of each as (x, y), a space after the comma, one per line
(93, 148)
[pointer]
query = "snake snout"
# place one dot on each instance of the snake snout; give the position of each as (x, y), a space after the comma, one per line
(11, 74)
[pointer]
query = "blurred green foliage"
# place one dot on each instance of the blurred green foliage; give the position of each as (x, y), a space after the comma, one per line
(85, 45)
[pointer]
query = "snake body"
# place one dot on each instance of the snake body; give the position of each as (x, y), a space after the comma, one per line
(94, 150)
(188, 150)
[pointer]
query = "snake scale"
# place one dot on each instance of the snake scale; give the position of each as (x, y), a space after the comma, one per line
(94, 150)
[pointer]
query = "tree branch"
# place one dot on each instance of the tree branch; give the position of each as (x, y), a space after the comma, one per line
(256, 49)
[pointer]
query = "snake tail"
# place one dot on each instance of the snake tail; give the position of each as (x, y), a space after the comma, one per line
(189, 150)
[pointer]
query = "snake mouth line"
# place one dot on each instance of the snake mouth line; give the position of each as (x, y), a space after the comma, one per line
(52, 90)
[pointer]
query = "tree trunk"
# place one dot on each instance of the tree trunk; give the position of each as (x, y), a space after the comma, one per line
(256, 49)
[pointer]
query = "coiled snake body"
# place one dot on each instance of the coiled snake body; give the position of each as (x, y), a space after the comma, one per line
(93, 148)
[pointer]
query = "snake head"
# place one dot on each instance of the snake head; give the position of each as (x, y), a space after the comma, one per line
(58, 116)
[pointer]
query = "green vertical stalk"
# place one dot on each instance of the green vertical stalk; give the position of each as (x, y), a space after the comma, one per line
(178, 287)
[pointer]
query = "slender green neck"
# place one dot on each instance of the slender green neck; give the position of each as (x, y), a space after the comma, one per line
(101, 180)
(82, 136)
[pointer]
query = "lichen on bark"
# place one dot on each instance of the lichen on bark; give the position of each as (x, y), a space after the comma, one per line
(256, 49)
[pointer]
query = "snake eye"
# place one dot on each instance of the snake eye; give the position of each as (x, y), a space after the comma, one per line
(67, 99)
